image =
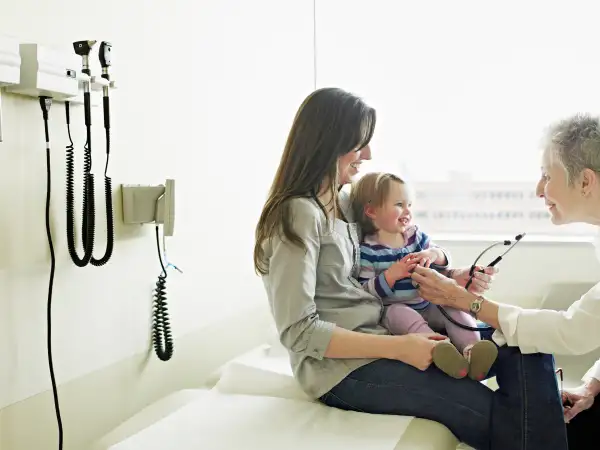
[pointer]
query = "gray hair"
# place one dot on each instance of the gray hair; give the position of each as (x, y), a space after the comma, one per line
(576, 143)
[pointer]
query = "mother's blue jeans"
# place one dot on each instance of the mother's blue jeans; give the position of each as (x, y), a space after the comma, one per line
(525, 413)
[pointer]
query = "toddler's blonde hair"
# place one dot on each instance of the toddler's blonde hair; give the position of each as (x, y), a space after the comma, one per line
(371, 189)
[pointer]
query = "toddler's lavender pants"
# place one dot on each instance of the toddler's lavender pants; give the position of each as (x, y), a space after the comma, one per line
(400, 318)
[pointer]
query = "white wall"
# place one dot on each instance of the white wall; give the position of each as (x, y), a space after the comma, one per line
(207, 91)
(230, 77)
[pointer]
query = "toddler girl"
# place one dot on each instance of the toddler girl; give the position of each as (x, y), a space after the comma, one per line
(392, 246)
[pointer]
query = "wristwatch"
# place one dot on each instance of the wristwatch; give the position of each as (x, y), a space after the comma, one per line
(475, 306)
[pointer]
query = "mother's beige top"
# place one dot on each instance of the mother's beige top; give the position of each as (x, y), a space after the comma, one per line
(310, 291)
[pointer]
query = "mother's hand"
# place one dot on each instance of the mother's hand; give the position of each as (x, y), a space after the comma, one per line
(437, 288)
(417, 348)
(481, 280)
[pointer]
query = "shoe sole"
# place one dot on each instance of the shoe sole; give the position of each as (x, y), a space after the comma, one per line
(483, 355)
(449, 360)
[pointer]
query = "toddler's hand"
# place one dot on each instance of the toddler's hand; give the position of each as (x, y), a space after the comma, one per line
(401, 269)
(425, 257)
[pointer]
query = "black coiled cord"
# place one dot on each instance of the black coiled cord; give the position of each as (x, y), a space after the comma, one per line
(88, 222)
(88, 226)
(88, 180)
(45, 103)
(110, 227)
(162, 338)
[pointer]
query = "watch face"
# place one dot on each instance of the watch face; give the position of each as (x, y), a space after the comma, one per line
(475, 306)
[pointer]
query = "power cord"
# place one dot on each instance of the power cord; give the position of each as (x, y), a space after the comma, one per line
(45, 103)
(162, 338)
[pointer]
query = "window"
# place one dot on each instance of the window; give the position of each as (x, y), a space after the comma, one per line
(464, 91)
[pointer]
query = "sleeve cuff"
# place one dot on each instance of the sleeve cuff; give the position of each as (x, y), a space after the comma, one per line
(445, 266)
(508, 318)
(319, 339)
(438, 267)
(525, 338)
(594, 372)
(499, 338)
(382, 286)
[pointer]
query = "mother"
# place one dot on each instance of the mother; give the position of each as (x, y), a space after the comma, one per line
(570, 186)
(307, 249)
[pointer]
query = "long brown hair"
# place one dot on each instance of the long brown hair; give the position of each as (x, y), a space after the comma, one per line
(330, 123)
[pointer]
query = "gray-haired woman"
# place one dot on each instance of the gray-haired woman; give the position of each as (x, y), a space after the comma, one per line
(570, 187)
